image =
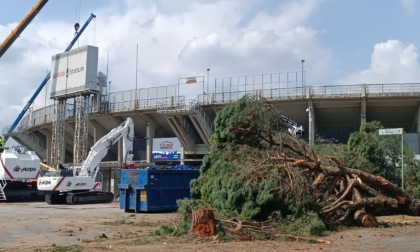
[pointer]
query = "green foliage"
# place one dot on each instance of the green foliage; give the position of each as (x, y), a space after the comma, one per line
(248, 121)
(231, 181)
(235, 187)
(384, 153)
(307, 225)
(2, 143)
(344, 154)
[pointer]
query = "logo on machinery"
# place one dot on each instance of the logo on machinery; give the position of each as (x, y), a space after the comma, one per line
(44, 182)
(28, 169)
(24, 169)
(68, 184)
(80, 184)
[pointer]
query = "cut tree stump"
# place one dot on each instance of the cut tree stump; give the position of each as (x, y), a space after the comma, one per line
(203, 222)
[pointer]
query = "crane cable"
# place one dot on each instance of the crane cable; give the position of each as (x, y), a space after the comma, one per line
(77, 18)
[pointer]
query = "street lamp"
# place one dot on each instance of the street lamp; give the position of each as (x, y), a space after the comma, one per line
(208, 74)
(303, 61)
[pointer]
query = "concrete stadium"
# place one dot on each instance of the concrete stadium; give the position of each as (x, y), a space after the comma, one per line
(160, 112)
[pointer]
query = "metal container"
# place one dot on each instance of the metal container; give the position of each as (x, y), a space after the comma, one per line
(149, 190)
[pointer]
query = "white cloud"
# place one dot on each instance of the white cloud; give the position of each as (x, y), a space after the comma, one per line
(391, 62)
(409, 5)
(232, 37)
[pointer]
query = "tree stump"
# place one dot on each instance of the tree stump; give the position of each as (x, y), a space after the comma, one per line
(203, 222)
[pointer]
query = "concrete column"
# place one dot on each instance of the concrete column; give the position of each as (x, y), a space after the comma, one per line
(311, 117)
(150, 134)
(363, 105)
(182, 150)
(257, 94)
(418, 118)
(210, 98)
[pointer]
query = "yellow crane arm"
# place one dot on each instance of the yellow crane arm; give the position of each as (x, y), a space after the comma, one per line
(46, 167)
(21, 26)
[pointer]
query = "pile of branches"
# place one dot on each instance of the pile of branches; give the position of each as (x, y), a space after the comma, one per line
(344, 193)
(256, 170)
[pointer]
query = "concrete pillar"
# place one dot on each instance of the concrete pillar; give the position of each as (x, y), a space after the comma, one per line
(150, 134)
(257, 94)
(210, 98)
(311, 117)
(363, 105)
(182, 150)
(418, 118)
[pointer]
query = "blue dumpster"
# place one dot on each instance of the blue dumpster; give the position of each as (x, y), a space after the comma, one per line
(150, 190)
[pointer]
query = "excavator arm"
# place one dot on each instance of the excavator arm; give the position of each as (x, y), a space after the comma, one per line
(21, 26)
(98, 151)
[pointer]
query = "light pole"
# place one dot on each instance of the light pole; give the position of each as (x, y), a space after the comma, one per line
(208, 80)
(137, 64)
(302, 61)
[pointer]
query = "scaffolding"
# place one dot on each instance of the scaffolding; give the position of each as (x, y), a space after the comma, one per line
(58, 134)
(81, 129)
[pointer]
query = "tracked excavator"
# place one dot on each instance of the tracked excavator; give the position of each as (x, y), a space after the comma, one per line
(79, 184)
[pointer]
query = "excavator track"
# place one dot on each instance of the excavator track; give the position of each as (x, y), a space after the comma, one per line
(54, 198)
(76, 198)
(89, 197)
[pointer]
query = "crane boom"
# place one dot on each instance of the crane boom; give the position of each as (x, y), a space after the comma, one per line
(47, 77)
(21, 26)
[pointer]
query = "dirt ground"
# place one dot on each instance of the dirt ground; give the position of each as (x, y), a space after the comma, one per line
(37, 226)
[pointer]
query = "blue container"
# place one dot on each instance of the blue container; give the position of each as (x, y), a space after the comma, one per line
(147, 190)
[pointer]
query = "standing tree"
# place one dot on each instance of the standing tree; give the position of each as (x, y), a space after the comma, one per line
(384, 152)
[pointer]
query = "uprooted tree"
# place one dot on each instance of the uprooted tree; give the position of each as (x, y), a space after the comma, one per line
(258, 171)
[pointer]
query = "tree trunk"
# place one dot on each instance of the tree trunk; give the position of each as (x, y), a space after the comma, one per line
(203, 222)
(365, 219)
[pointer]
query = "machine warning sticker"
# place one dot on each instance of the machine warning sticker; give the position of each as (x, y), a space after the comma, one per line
(143, 196)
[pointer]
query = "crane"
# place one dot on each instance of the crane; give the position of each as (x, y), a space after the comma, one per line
(47, 77)
(21, 26)
(78, 184)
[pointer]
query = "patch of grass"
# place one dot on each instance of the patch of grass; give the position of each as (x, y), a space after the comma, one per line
(118, 222)
(69, 248)
(307, 225)
(164, 230)
(139, 242)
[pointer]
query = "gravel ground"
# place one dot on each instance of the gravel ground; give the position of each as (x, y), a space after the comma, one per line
(37, 226)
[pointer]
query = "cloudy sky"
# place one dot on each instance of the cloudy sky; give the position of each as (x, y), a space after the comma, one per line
(341, 41)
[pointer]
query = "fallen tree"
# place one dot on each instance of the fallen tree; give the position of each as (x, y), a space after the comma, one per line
(257, 170)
